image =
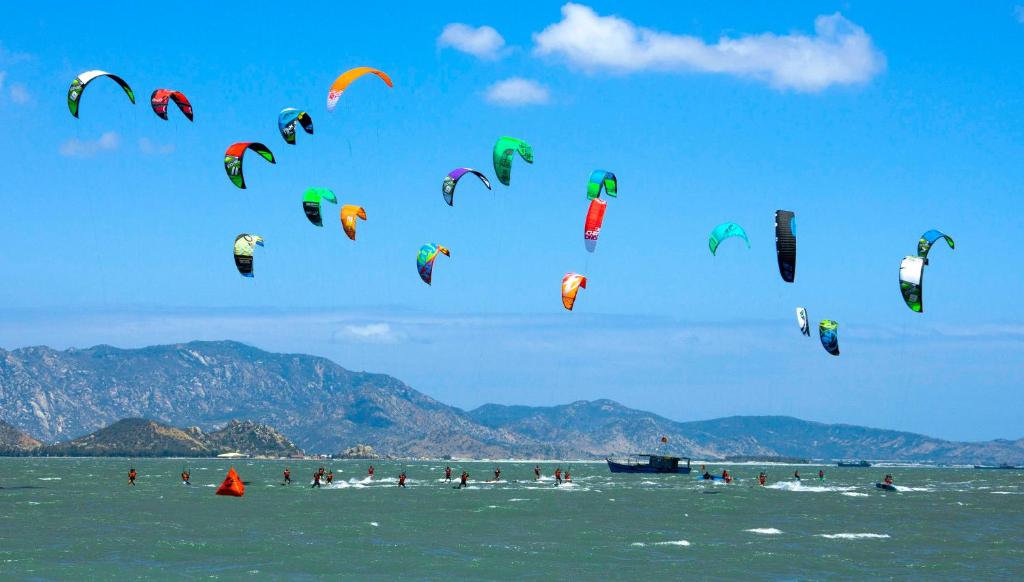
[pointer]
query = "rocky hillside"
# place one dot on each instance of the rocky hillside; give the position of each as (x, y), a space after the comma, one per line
(138, 437)
(15, 441)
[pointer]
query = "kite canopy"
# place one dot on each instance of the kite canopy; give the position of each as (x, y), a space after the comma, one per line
(232, 485)
(912, 282)
(504, 150)
(928, 239)
(785, 244)
(828, 331)
(571, 284)
(233, 159)
(592, 225)
(286, 123)
(160, 99)
(801, 319)
(311, 203)
(452, 180)
(349, 214)
(346, 78)
(80, 82)
(245, 246)
(425, 260)
(600, 179)
(724, 231)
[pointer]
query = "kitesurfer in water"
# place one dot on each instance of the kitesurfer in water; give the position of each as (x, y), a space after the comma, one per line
(320, 472)
(463, 479)
(536, 472)
(707, 476)
(888, 480)
(185, 477)
(726, 476)
(821, 474)
(447, 474)
(558, 476)
(131, 476)
(316, 479)
(401, 479)
(568, 477)
(762, 478)
(330, 477)
(796, 475)
(370, 471)
(497, 473)
(287, 476)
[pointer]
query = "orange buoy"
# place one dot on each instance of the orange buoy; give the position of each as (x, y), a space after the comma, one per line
(232, 485)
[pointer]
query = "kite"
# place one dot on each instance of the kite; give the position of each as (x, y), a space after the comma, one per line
(504, 150)
(801, 319)
(452, 179)
(245, 245)
(161, 98)
(233, 160)
(724, 231)
(828, 330)
(286, 123)
(311, 203)
(571, 284)
(600, 179)
(81, 81)
(346, 78)
(592, 225)
(785, 244)
(927, 239)
(912, 270)
(425, 260)
(349, 213)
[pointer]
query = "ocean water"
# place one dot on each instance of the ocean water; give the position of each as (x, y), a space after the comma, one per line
(78, 519)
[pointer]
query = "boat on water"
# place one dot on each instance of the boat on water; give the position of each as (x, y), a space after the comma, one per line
(1003, 466)
(649, 464)
(854, 464)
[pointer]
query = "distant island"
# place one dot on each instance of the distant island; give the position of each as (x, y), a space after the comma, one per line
(76, 401)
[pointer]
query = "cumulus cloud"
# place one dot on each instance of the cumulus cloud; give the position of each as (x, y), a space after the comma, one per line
(76, 148)
(371, 333)
(482, 42)
(517, 92)
(148, 146)
(839, 52)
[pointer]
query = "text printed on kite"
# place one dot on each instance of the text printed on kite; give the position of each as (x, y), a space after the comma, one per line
(82, 81)
(571, 284)
(245, 246)
(288, 118)
(504, 150)
(912, 270)
(312, 200)
(425, 260)
(349, 214)
(234, 156)
(592, 224)
(345, 79)
(452, 180)
(161, 98)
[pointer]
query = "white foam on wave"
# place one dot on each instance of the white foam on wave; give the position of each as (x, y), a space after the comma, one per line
(798, 486)
(768, 531)
(854, 536)
(854, 494)
(1006, 493)
(680, 543)
(374, 524)
(519, 499)
(901, 488)
(49, 478)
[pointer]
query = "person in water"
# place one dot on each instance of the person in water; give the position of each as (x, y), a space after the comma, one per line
(888, 480)
(536, 472)
(184, 477)
(330, 477)
(558, 476)
(821, 474)
(497, 473)
(762, 478)
(463, 479)
(447, 474)
(131, 476)
(287, 476)
(320, 472)
(568, 477)
(370, 471)
(316, 479)
(401, 479)
(707, 476)
(726, 476)
(796, 475)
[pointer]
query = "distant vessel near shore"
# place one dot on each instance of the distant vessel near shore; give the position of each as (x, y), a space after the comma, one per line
(854, 464)
(649, 464)
(1003, 466)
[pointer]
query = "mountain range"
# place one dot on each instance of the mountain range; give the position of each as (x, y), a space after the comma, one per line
(58, 395)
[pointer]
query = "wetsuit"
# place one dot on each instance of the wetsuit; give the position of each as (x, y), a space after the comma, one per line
(448, 474)
(131, 477)
(536, 473)
(184, 477)
(401, 480)
(558, 476)
(463, 479)
(761, 479)
(287, 477)
(330, 477)
(497, 474)
(316, 479)
(371, 471)
(568, 477)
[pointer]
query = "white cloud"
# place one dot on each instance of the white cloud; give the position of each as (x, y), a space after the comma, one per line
(76, 148)
(839, 53)
(19, 93)
(148, 146)
(517, 92)
(482, 42)
(371, 333)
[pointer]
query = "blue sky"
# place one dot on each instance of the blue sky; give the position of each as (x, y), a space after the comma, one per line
(873, 123)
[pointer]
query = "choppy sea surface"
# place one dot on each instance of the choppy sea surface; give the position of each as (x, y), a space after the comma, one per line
(78, 519)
